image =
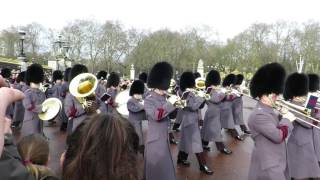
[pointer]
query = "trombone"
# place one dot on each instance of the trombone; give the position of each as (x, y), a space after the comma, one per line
(281, 104)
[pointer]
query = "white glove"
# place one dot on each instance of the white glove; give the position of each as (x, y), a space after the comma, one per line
(173, 99)
(290, 116)
(223, 90)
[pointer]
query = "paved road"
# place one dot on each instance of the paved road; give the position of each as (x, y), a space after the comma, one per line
(232, 167)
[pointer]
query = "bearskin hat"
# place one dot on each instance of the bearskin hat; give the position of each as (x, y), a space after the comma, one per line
(297, 84)
(160, 76)
(66, 74)
(57, 75)
(230, 79)
(196, 75)
(137, 87)
(143, 77)
(213, 78)
(21, 77)
(76, 70)
(102, 75)
(268, 79)
(34, 74)
(314, 82)
(239, 79)
(113, 80)
(6, 73)
(187, 80)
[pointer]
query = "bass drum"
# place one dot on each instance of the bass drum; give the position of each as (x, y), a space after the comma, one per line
(122, 99)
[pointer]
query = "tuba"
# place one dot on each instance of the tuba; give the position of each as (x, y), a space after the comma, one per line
(83, 87)
(122, 99)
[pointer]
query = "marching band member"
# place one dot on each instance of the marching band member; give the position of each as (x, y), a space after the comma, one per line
(211, 129)
(158, 160)
(101, 89)
(72, 107)
(64, 91)
(55, 90)
(269, 130)
(226, 116)
(18, 113)
(237, 106)
(112, 89)
(136, 110)
(314, 86)
(144, 77)
(33, 100)
(6, 75)
(190, 130)
(178, 120)
(302, 159)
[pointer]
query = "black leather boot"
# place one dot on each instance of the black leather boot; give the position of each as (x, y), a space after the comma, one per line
(205, 145)
(182, 159)
(245, 129)
(171, 139)
(223, 149)
(234, 133)
(202, 164)
(176, 127)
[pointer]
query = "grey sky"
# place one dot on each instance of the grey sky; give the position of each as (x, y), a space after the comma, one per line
(228, 17)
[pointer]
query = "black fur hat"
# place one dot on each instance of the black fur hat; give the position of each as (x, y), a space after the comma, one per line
(187, 80)
(268, 79)
(21, 77)
(297, 84)
(113, 80)
(230, 79)
(6, 73)
(314, 82)
(213, 78)
(196, 75)
(102, 75)
(239, 78)
(160, 76)
(34, 74)
(76, 70)
(137, 87)
(57, 75)
(143, 77)
(66, 74)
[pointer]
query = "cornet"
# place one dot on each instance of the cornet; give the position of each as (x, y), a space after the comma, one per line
(83, 87)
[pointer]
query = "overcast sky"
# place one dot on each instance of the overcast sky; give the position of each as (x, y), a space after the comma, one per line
(228, 17)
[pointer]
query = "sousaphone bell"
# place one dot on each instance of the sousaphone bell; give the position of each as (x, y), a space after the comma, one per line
(51, 108)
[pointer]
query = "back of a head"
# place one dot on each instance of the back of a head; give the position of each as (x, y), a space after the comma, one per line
(113, 80)
(6, 73)
(76, 70)
(108, 150)
(34, 151)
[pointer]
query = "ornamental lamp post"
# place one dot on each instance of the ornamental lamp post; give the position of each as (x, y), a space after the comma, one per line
(22, 57)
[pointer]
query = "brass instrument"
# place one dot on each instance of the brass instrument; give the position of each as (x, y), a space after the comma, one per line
(177, 101)
(121, 100)
(83, 87)
(200, 83)
(51, 108)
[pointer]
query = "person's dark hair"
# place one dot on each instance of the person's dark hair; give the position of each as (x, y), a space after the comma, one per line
(107, 149)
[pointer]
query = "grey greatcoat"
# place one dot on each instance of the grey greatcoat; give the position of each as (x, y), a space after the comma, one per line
(32, 104)
(179, 112)
(237, 111)
(190, 132)
(74, 112)
(158, 159)
(18, 112)
(111, 102)
(211, 129)
(146, 91)
(99, 93)
(316, 134)
(226, 116)
(302, 158)
(136, 115)
(268, 159)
